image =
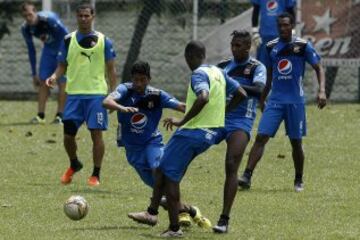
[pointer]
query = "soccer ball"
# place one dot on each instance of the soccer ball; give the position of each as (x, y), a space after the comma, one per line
(76, 207)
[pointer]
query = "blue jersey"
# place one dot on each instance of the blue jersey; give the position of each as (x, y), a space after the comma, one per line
(85, 41)
(269, 11)
(200, 81)
(141, 128)
(50, 30)
(246, 73)
(287, 61)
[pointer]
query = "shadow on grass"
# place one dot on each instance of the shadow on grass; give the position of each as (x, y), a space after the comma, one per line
(106, 228)
(96, 191)
(16, 124)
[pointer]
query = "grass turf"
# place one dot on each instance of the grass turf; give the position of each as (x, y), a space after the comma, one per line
(33, 159)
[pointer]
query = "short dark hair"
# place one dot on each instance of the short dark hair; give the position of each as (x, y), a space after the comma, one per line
(25, 4)
(287, 15)
(141, 67)
(83, 6)
(243, 34)
(195, 47)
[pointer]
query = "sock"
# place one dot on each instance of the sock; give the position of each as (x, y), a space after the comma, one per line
(224, 217)
(192, 212)
(298, 177)
(96, 172)
(75, 164)
(174, 227)
(41, 115)
(248, 173)
(59, 114)
(152, 211)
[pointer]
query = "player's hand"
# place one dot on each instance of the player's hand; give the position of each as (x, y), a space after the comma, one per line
(170, 122)
(36, 82)
(321, 100)
(51, 81)
(128, 109)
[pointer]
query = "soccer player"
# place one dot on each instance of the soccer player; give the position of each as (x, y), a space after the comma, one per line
(139, 108)
(198, 130)
(285, 62)
(268, 10)
(251, 74)
(47, 27)
(86, 56)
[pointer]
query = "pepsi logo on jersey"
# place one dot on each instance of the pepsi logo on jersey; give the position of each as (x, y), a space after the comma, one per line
(272, 5)
(284, 66)
(138, 121)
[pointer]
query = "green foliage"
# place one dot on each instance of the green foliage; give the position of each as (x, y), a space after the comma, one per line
(31, 196)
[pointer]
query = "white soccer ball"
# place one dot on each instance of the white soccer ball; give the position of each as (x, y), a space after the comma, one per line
(76, 207)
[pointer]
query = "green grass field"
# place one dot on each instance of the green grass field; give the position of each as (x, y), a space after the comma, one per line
(33, 159)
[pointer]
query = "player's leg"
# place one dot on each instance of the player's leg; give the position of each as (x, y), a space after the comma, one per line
(236, 145)
(295, 125)
(172, 191)
(298, 158)
(45, 70)
(60, 101)
(72, 122)
(97, 121)
(268, 126)
(98, 150)
(149, 217)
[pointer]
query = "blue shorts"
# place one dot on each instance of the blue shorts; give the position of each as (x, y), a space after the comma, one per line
(294, 117)
(181, 150)
(234, 124)
(48, 64)
(145, 160)
(89, 110)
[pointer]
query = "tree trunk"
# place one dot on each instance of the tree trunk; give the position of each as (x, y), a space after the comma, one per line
(141, 26)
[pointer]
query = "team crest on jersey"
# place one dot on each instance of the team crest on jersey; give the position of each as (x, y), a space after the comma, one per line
(272, 5)
(138, 121)
(150, 104)
(284, 67)
(296, 49)
(247, 71)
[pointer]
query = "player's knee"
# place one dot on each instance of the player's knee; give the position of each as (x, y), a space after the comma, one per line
(70, 127)
(261, 139)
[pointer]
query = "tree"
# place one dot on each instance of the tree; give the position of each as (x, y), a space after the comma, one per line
(142, 23)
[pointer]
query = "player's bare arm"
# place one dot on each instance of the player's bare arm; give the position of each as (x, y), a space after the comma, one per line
(266, 89)
(111, 73)
(201, 100)
(110, 103)
(60, 71)
(320, 75)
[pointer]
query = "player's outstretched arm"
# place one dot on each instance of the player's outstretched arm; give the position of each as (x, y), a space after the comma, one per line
(111, 104)
(181, 107)
(60, 71)
(321, 96)
(267, 88)
(201, 100)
